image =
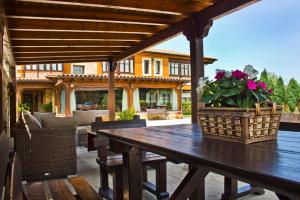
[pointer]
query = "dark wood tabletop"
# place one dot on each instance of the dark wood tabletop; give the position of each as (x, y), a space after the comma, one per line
(274, 165)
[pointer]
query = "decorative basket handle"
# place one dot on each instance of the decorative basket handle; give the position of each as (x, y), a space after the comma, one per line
(273, 104)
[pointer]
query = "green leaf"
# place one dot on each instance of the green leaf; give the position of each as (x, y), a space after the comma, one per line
(225, 83)
(230, 92)
(230, 101)
(253, 93)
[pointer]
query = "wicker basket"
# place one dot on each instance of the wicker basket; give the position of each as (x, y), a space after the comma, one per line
(240, 125)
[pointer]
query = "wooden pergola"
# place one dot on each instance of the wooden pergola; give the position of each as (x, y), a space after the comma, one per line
(60, 31)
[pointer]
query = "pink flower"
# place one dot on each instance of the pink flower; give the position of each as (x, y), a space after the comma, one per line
(262, 85)
(251, 85)
(239, 74)
(270, 91)
(220, 75)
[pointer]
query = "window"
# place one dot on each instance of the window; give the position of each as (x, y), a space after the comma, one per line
(27, 67)
(41, 67)
(174, 69)
(105, 66)
(146, 66)
(59, 67)
(34, 67)
(126, 66)
(48, 67)
(180, 69)
(185, 69)
(158, 67)
(54, 67)
(78, 69)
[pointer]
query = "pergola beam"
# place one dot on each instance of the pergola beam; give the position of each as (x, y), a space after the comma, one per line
(67, 49)
(48, 43)
(42, 61)
(174, 7)
(76, 35)
(78, 26)
(88, 14)
(216, 10)
(62, 54)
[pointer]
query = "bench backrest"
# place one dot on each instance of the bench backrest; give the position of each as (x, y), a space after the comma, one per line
(135, 123)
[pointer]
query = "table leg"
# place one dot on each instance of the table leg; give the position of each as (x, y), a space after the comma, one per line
(132, 174)
(232, 191)
(190, 184)
(200, 191)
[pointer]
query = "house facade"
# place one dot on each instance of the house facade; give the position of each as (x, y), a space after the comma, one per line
(150, 79)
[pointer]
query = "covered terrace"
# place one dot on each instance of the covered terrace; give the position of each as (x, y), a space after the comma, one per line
(59, 31)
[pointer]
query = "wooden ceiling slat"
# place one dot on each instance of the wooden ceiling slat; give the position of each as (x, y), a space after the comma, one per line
(158, 6)
(65, 25)
(102, 14)
(62, 58)
(65, 54)
(28, 43)
(64, 49)
(74, 35)
(20, 62)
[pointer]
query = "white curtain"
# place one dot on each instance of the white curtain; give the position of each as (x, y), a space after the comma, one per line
(124, 100)
(136, 100)
(174, 100)
(62, 101)
(73, 101)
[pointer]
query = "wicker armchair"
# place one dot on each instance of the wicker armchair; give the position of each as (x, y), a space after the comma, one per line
(47, 152)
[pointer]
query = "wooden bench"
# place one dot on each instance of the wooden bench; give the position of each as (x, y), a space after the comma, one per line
(11, 182)
(159, 113)
(110, 163)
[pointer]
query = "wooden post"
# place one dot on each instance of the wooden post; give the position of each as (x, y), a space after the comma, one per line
(68, 90)
(13, 100)
(130, 96)
(1, 72)
(111, 92)
(179, 99)
(195, 33)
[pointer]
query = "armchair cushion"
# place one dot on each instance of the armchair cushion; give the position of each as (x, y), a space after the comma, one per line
(40, 115)
(59, 122)
(31, 121)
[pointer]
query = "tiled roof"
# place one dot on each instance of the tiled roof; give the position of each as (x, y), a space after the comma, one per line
(34, 80)
(121, 77)
(170, 52)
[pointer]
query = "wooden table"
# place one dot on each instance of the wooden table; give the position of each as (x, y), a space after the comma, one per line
(274, 165)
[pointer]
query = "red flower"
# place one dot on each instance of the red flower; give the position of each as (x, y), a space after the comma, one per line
(251, 85)
(262, 85)
(220, 75)
(270, 91)
(239, 74)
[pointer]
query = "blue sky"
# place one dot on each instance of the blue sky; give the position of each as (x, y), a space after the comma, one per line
(265, 35)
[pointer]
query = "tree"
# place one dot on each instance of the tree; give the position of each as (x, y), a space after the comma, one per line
(293, 93)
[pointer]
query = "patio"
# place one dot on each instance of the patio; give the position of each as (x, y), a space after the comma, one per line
(60, 31)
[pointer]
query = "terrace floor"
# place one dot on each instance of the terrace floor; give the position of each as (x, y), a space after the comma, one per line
(88, 168)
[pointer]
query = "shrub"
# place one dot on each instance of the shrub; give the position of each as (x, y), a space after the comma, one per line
(47, 107)
(23, 107)
(186, 108)
(126, 114)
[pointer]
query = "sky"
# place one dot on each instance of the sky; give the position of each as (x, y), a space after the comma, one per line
(265, 34)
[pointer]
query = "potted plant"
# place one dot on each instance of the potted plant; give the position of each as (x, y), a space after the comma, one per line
(47, 107)
(238, 108)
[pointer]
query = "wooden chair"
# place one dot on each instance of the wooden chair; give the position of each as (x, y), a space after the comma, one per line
(112, 164)
(11, 180)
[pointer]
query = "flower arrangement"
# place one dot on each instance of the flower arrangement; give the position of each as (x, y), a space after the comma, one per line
(235, 89)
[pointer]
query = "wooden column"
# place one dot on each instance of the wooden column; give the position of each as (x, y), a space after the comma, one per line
(13, 100)
(179, 99)
(197, 30)
(130, 96)
(111, 92)
(68, 91)
(1, 72)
